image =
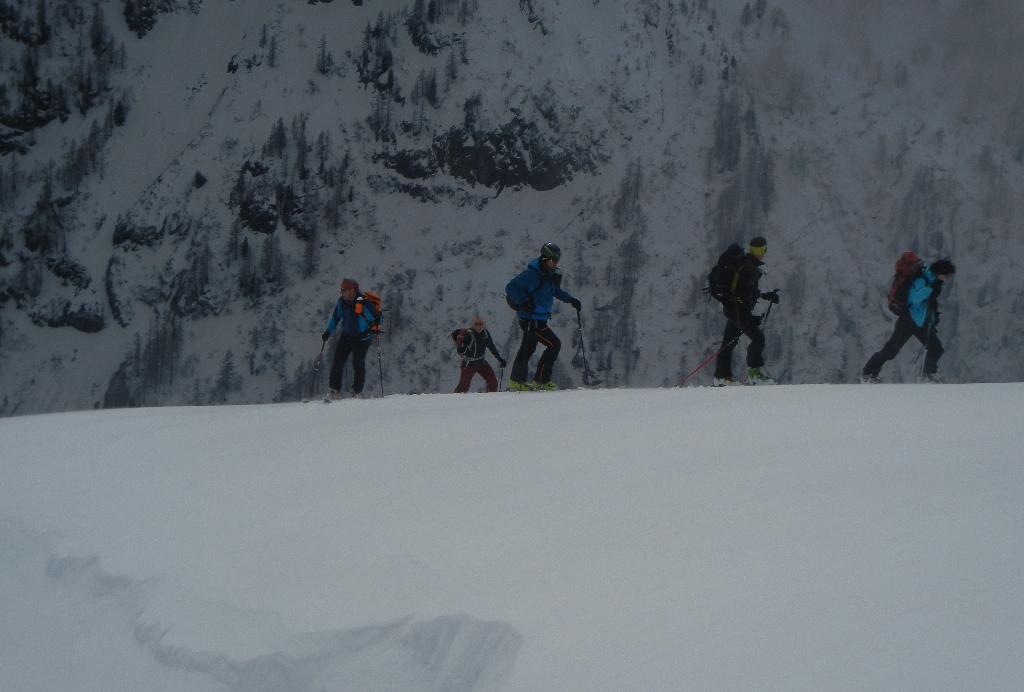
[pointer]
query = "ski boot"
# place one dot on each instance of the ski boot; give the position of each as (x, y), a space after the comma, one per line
(548, 386)
(757, 376)
(725, 381)
(870, 379)
(516, 386)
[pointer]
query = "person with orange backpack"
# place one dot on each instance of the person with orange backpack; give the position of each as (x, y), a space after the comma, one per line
(913, 298)
(473, 344)
(359, 316)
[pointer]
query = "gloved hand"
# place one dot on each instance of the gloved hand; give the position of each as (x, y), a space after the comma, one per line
(576, 304)
(325, 336)
(771, 297)
(501, 362)
(527, 305)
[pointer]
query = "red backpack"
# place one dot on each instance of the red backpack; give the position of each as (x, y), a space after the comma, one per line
(908, 267)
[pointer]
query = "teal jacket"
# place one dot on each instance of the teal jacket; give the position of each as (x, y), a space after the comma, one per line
(919, 300)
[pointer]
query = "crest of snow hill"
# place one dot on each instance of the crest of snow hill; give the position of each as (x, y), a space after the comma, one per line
(182, 243)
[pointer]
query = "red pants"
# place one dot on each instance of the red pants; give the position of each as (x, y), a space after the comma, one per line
(486, 372)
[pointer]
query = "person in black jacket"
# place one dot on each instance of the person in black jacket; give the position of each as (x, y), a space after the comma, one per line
(472, 344)
(738, 310)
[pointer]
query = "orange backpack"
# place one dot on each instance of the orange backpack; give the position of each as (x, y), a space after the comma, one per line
(375, 325)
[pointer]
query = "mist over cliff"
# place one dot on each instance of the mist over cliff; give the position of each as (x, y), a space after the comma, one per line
(184, 184)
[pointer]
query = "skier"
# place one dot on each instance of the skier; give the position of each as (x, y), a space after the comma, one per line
(472, 344)
(356, 316)
(918, 320)
(738, 310)
(532, 293)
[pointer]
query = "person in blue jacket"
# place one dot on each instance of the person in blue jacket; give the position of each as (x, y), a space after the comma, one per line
(919, 321)
(355, 316)
(532, 293)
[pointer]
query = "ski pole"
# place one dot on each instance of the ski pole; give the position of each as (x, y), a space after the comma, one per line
(380, 366)
(583, 348)
(316, 370)
(924, 349)
(710, 358)
(578, 215)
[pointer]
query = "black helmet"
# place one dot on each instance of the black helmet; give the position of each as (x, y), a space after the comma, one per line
(551, 251)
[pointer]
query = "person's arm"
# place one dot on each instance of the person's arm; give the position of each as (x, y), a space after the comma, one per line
(917, 301)
(493, 349)
(567, 297)
(920, 292)
(333, 322)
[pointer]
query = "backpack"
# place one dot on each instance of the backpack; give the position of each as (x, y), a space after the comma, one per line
(725, 274)
(458, 336)
(556, 279)
(908, 267)
(374, 299)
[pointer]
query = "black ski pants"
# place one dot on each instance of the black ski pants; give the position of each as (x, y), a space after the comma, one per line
(901, 333)
(739, 322)
(535, 332)
(357, 348)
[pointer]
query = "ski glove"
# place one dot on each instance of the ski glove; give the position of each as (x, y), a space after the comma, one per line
(527, 305)
(772, 297)
(325, 336)
(501, 362)
(576, 304)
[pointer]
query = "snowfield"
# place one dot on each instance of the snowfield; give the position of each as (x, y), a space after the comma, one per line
(814, 537)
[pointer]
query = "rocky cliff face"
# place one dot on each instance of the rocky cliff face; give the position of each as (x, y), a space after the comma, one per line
(183, 184)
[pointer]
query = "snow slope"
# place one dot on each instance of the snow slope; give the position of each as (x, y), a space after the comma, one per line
(814, 537)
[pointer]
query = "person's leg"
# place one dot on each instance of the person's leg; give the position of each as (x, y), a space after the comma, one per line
(553, 345)
(751, 328)
(903, 330)
(359, 349)
(932, 349)
(521, 364)
(341, 353)
(487, 372)
(465, 378)
(723, 364)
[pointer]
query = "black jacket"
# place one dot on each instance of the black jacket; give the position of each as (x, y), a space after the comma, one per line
(747, 291)
(474, 346)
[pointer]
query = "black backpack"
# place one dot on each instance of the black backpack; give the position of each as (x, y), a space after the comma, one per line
(556, 279)
(724, 276)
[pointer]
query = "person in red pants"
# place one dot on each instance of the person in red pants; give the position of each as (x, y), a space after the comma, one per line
(472, 345)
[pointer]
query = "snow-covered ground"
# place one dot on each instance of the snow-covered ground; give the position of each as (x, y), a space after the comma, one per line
(815, 537)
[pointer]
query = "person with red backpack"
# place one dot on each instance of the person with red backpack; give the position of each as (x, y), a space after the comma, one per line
(913, 298)
(473, 344)
(357, 316)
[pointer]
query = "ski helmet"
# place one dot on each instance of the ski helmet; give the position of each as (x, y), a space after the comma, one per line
(551, 251)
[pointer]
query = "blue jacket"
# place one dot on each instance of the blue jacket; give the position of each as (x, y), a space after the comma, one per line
(355, 317)
(918, 298)
(533, 284)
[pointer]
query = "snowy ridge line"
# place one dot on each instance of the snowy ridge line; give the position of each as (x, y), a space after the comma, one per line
(456, 654)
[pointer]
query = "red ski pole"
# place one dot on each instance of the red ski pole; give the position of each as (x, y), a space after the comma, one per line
(710, 358)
